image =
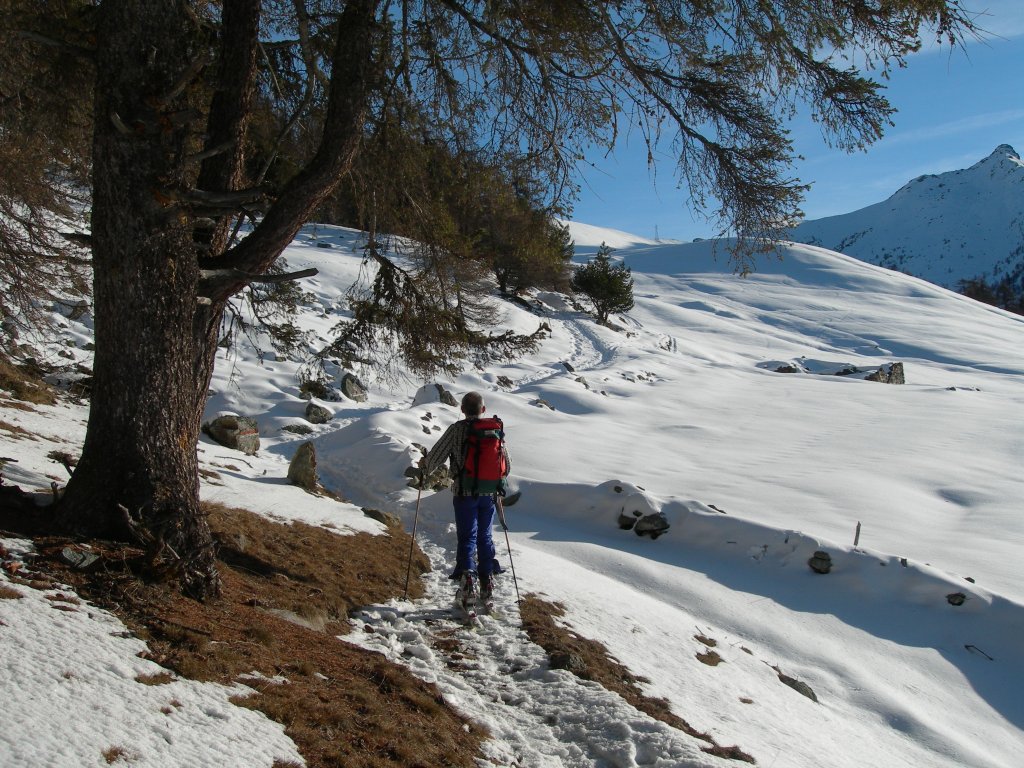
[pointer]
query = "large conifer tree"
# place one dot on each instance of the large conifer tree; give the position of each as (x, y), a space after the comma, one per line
(176, 85)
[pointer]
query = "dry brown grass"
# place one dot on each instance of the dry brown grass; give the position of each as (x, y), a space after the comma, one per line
(25, 383)
(157, 678)
(711, 658)
(9, 593)
(116, 754)
(16, 432)
(288, 590)
(590, 660)
(343, 706)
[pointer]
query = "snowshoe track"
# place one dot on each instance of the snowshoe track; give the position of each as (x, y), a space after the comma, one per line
(490, 671)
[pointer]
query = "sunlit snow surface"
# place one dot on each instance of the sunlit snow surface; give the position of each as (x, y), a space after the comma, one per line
(681, 408)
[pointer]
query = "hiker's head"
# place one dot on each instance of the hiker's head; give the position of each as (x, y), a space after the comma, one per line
(473, 404)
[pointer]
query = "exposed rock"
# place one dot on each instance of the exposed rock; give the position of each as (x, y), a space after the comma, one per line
(798, 685)
(314, 388)
(438, 480)
(787, 369)
(540, 402)
(568, 367)
(956, 598)
(446, 397)
(240, 433)
(652, 525)
(353, 389)
(434, 393)
(79, 557)
(317, 414)
(390, 520)
(302, 470)
(821, 562)
(627, 521)
(506, 382)
(888, 374)
(298, 429)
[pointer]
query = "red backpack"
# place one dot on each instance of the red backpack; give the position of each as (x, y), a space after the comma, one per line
(484, 466)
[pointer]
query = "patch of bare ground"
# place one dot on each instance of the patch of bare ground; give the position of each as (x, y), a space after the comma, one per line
(25, 383)
(591, 660)
(287, 592)
(15, 431)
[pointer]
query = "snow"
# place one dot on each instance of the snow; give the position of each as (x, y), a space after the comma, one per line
(679, 411)
(74, 687)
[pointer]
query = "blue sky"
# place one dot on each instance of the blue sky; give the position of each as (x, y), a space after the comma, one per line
(954, 108)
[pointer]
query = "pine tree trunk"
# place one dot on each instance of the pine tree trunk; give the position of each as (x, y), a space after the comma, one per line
(160, 282)
(154, 345)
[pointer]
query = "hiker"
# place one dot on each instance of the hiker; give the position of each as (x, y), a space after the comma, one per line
(475, 450)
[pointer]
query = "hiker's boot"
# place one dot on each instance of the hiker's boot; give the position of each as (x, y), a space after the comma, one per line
(486, 589)
(467, 594)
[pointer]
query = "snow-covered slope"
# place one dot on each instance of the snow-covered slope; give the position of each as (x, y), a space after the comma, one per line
(944, 228)
(681, 411)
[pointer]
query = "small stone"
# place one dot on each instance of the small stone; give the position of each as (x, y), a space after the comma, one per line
(820, 562)
(389, 519)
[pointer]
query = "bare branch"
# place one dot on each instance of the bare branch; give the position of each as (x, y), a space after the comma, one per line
(231, 275)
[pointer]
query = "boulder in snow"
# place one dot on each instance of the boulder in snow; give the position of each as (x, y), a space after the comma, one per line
(651, 525)
(434, 393)
(302, 470)
(438, 480)
(820, 562)
(240, 433)
(353, 389)
(888, 374)
(797, 685)
(628, 520)
(317, 414)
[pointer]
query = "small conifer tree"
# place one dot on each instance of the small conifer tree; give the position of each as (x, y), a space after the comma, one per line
(608, 286)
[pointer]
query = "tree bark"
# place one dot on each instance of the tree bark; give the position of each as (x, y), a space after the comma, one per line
(140, 447)
(156, 321)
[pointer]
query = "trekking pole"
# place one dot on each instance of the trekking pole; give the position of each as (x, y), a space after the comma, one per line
(511, 562)
(412, 544)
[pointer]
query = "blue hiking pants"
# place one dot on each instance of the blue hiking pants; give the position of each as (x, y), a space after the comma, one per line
(474, 516)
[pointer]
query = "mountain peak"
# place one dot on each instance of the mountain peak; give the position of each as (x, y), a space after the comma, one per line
(1005, 150)
(946, 228)
(999, 155)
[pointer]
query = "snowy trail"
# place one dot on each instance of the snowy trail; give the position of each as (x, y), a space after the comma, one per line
(586, 350)
(537, 717)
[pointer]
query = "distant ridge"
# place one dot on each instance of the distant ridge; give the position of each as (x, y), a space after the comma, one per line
(590, 236)
(960, 225)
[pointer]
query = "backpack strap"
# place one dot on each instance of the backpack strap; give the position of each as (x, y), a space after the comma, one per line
(460, 472)
(479, 452)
